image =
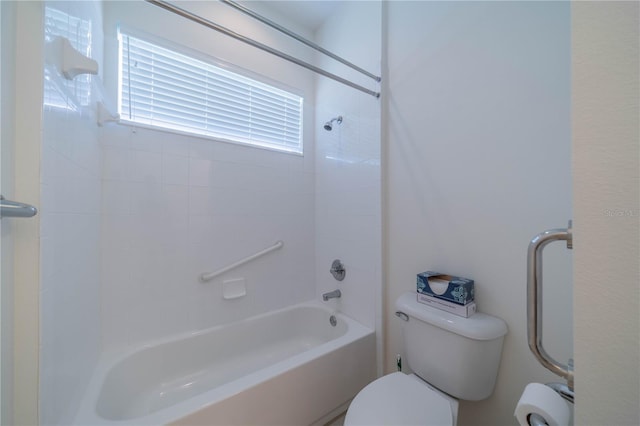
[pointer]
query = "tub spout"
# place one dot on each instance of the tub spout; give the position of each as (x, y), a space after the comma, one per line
(331, 295)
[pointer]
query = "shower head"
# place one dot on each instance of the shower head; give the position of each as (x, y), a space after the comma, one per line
(328, 126)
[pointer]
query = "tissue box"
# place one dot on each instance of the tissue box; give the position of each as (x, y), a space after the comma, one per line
(446, 287)
(444, 305)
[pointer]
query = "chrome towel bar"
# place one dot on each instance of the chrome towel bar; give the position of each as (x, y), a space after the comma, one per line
(211, 275)
(15, 209)
(534, 301)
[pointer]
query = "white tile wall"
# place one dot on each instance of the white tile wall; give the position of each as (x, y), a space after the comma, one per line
(176, 206)
(348, 205)
(70, 212)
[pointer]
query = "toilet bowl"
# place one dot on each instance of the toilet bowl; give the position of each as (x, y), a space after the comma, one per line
(451, 357)
(402, 400)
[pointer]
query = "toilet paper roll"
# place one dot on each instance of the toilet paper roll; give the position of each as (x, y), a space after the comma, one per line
(544, 401)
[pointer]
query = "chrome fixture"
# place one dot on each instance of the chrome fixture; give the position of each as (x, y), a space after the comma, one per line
(534, 307)
(562, 389)
(402, 316)
(335, 294)
(337, 270)
(15, 209)
(328, 126)
(333, 321)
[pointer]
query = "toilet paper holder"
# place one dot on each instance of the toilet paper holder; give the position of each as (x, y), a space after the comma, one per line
(536, 420)
(534, 308)
(563, 389)
(542, 405)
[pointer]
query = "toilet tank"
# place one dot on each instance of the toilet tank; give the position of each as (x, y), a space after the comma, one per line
(457, 355)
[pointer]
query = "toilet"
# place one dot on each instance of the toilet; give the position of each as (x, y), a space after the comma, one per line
(452, 358)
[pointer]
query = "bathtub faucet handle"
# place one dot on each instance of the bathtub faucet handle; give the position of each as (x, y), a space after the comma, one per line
(337, 270)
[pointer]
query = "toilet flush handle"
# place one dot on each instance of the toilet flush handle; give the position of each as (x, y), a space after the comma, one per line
(402, 316)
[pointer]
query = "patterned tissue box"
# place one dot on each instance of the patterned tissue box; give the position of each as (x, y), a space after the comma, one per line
(446, 287)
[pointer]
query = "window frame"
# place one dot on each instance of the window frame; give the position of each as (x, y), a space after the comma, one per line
(123, 31)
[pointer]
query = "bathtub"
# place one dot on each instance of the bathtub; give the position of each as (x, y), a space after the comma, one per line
(287, 367)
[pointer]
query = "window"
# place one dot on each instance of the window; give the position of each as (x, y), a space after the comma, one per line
(60, 92)
(163, 88)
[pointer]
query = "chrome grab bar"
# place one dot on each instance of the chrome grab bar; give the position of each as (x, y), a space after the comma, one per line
(211, 275)
(15, 209)
(534, 301)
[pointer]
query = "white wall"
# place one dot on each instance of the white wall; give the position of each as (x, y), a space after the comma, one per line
(176, 206)
(26, 186)
(348, 222)
(70, 229)
(478, 162)
(606, 164)
(7, 137)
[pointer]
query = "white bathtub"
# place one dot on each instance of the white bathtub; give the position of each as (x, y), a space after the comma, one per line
(287, 367)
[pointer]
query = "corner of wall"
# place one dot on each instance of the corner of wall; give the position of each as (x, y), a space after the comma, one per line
(606, 167)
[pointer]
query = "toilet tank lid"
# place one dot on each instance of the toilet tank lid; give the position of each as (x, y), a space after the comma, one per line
(478, 326)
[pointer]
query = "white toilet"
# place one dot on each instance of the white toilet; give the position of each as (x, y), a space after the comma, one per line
(451, 356)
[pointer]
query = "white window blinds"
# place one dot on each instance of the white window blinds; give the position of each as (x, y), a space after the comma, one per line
(163, 88)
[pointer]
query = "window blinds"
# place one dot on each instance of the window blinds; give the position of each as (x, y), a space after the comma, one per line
(163, 88)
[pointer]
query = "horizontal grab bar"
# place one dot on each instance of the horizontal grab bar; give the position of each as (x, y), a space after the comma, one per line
(534, 300)
(211, 275)
(15, 209)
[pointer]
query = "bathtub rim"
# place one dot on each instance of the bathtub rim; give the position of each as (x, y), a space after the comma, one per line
(87, 412)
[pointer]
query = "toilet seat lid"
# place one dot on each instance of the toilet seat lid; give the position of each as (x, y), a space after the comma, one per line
(398, 399)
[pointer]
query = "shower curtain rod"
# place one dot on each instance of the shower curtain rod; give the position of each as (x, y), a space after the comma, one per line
(212, 25)
(301, 39)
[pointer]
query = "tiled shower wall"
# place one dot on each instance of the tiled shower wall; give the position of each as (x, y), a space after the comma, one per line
(176, 206)
(70, 212)
(348, 173)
